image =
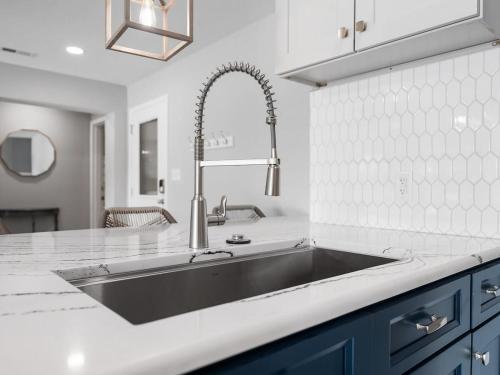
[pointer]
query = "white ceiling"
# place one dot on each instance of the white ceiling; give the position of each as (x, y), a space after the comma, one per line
(46, 27)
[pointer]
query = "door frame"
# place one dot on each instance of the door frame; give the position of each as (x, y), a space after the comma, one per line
(162, 117)
(108, 121)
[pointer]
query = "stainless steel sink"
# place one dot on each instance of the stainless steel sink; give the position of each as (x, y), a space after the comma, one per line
(142, 297)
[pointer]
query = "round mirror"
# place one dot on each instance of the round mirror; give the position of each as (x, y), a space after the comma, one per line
(28, 153)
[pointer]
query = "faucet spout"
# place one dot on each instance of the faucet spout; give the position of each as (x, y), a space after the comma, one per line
(200, 221)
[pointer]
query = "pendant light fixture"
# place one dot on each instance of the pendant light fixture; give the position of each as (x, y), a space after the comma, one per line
(149, 23)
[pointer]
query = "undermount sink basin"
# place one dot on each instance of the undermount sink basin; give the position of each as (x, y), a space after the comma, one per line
(145, 296)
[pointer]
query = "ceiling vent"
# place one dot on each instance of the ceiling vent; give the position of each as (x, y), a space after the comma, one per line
(18, 52)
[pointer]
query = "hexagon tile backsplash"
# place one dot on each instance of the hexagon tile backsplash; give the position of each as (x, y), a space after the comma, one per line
(416, 148)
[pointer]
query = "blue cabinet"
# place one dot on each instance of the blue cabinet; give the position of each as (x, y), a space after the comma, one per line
(485, 294)
(412, 328)
(341, 347)
(486, 349)
(455, 360)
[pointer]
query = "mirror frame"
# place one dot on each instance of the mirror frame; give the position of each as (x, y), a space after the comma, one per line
(2, 161)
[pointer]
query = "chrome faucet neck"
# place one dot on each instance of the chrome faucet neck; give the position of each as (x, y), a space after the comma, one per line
(199, 219)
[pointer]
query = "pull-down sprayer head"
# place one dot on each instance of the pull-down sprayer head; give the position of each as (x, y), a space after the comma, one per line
(273, 181)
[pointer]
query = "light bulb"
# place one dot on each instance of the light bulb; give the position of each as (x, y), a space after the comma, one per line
(147, 17)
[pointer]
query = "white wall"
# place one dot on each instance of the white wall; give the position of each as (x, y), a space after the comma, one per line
(235, 105)
(66, 185)
(61, 91)
(437, 120)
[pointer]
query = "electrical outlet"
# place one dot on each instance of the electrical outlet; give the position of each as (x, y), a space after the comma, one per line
(403, 186)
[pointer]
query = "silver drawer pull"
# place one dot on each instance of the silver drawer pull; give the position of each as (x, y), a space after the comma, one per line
(494, 290)
(436, 324)
(483, 357)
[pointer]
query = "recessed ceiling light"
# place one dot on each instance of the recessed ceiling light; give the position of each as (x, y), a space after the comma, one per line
(74, 50)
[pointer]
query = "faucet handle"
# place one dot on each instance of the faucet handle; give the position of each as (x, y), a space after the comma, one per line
(222, 207)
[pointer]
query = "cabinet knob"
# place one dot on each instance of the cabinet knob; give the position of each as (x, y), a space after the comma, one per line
(361, 26)
(343, 32)
(483, 357)
(435, 325)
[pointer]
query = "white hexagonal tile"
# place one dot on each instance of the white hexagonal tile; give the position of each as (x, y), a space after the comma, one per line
(432, 73)
(483, 88)
(396, 77)
(444, 219)
(458, 220)
(491, 113)
(424, 194)
(495, 140)
(395, 125)
(453, 143)
(407, 78)
(445, 169)
(460, 118)
(390, 103)
(439, 95)
(389, 148)
(461, 67)
(452, 196)
(378, 193)
(474, 168)
(446, 119)
(490, 168)
(425, 145)
(431, 169)
(431, 218)
(475, 115)
(418, 170)
(432, 121)
(495, 197)
(418, 218)
(482, 141)
(468, 91)
(438, 195)
(413, 146)
(476, 63)
(452, 93)
(491, 61)
(482, 195)
(495, 87)
(413, 99)
(446, 71)
(401, 102)
(419, 123)
(467, 142)
(438, 144)
(407, 124)
(401, 152)
(426, 98)
(384, 83)
(459, 168)
(466, 194)
(473, 221)
(489, 222)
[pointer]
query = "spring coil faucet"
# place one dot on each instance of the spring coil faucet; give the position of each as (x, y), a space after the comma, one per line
(198, 238)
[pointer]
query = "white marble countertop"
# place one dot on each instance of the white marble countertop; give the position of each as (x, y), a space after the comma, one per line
(49, 326)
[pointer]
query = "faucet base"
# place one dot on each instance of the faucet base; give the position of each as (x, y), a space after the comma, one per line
(198, 236)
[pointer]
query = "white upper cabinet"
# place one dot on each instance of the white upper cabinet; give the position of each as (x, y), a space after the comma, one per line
(323, 40)
(389, 20)
(313, 31)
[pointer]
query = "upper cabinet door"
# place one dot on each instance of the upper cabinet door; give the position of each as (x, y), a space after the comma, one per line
(313, 31)
(389, 20)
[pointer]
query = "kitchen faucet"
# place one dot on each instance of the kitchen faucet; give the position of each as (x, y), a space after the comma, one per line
(198, 238)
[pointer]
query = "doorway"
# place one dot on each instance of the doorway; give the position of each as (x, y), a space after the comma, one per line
(148, 154)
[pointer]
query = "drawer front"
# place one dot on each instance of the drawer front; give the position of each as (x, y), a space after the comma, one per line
(486, 349)
(341, 348)
(485, 294)
(416, 326)
(453, 361)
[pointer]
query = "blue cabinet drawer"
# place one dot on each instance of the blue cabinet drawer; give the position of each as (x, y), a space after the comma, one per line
(485, 294)
(341, 347)
(417, 326)
(486, 349)
(455, 360)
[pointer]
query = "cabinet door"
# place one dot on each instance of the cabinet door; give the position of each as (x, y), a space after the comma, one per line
(341, 348)
(309, 32)
(486, 349)
(389, 20)
(453, 361)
